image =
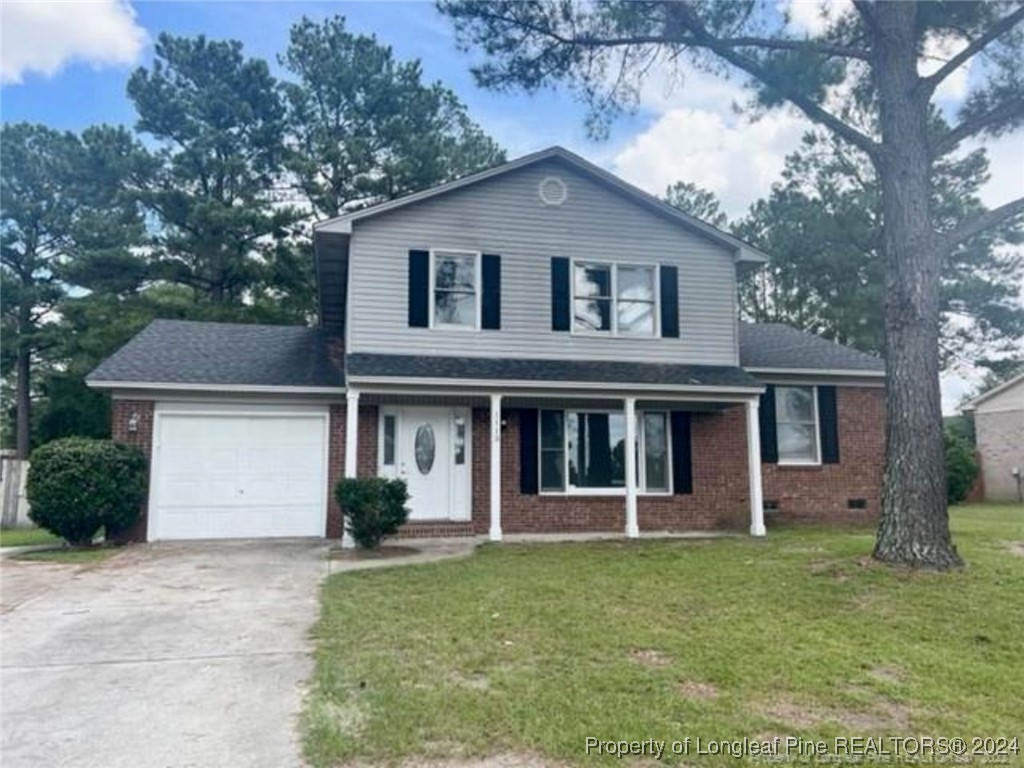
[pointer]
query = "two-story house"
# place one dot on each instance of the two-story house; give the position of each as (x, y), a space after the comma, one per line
(539, 347)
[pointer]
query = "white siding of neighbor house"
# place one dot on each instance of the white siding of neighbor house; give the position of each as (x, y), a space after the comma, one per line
(505, 216)
(999, 429)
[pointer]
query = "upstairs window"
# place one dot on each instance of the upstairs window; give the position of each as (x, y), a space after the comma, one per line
(614, 298)
(455, 297)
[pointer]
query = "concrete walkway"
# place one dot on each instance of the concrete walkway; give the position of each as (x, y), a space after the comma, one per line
(166, 656)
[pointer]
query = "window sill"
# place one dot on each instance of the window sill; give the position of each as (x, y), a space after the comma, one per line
(601, 494)
(799, 464)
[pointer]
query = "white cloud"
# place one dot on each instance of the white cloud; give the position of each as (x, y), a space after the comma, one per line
(717, 150)
(812, 17)
(42, 37)
(937, 51)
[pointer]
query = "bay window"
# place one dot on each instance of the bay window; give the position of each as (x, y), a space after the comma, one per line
(614, 298)
(585, 451)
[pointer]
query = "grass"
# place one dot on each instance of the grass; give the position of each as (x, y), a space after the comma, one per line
(526, 650)
(69, 556)
(22, 537)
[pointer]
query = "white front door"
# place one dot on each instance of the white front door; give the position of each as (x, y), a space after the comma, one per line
(429, 447)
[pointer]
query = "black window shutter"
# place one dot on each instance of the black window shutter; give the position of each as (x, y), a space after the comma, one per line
(560, 309)
(682, 456)
(419, 289)
(828, 424)
(769, 431)
(669, 302)
(490, 281)
(528, 450)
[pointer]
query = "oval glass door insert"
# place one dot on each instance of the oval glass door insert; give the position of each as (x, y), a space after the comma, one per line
(425, 448)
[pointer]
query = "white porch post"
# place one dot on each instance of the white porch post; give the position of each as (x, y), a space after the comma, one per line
(495, 532)
(351, 448)
(754, 470)
(632, 527)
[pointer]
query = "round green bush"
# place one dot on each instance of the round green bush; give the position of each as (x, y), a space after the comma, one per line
(374, 508)
(77, 486)
(961, 468)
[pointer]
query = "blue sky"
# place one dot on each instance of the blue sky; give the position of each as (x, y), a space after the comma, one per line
(83, 93)
(65, 63)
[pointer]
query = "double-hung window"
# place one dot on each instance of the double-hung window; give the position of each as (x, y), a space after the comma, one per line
(585, 451)
(614, 298)
(455, 294)
(796, 419)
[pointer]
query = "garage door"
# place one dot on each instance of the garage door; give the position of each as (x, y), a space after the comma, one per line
(224, 475)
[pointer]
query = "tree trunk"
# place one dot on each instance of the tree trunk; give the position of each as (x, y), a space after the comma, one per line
(914, 527)
(23, 392)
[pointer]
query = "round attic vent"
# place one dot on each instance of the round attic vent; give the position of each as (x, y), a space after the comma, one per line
(552, 191)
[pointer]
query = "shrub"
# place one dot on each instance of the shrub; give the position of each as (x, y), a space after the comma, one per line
(77, 486)
(961, 468)
(374, 508)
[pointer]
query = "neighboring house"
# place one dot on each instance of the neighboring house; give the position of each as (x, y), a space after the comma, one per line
(999, 436)
(497, 342)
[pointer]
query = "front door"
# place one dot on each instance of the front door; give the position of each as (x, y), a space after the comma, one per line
(428, 447)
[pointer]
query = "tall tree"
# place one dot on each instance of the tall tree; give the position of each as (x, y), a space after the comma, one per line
(219, 121)
(605, 49)
(366, 128)
(61, 209)
(822, 226)
(35, 224)
(698, 202)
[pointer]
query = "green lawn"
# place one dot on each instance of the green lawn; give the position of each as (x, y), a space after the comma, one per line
(20, 537)
(526, 650)
(69, 556)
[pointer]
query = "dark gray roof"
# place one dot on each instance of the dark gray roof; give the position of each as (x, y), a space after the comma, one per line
(774, 345)
(181, 352)
(506, 369)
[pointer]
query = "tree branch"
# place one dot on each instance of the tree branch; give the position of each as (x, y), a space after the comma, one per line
(1008, 110)
(978, 224)
(930, 83)
(704, 39)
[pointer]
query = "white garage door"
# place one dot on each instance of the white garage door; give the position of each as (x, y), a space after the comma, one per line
(223, 475)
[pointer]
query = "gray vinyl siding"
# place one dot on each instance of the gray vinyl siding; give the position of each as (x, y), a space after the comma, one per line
(505, 216)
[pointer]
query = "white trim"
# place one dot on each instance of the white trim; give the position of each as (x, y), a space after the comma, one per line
(161, 412)
(837, 372)
(754, 469)
(817, 427)
(457, 386)
(970, 405)
(629, 414)
(613, 268)
(176, 386)
(495, 457)
(741, 251)
(351, 452)
(478, 299)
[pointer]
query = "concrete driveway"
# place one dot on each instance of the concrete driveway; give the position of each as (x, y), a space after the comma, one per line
(165, 655)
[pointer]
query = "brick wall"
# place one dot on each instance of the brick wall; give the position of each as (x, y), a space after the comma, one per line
(366, 463)
(1000, 437)
(720, 480)
(142, 438)
(821, 494)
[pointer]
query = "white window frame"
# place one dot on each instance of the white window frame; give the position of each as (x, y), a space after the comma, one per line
(614, 268)
(477, 293)
(816, 462)
(571, 490)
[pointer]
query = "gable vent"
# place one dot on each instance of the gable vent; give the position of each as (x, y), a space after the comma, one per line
(553, 191)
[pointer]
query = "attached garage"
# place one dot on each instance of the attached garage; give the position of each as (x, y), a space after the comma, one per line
(238, 474)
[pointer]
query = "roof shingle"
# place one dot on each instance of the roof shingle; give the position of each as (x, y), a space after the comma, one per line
(778, 346)
(183, 352)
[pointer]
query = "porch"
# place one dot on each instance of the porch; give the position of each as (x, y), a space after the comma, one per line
(514, 460)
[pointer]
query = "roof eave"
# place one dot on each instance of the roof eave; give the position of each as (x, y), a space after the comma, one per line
(173, 386)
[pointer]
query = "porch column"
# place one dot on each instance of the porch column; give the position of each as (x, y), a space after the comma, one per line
(754, 470)
(351, 449)
(632, 527)
(495, 532)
